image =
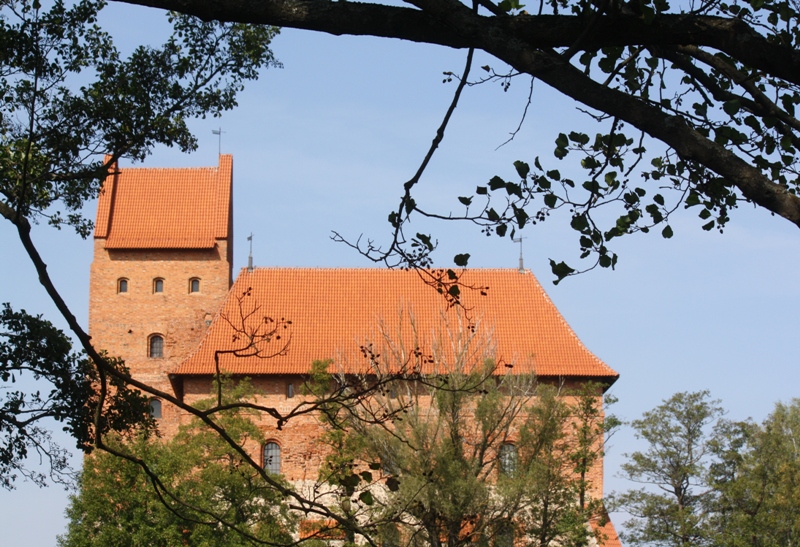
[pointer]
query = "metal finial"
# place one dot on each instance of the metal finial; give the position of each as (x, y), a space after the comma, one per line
(219, 133)
(250, 258)
(521, 263)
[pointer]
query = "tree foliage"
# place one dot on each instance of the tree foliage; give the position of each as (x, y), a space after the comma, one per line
(32, 349)
(472, 454)
(213, 498)
(692, 106)
(717, 482)
(71, 106)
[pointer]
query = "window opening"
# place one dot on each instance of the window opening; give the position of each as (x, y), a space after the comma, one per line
(122, 285)
(155, 408)
(508, 458)
(156, 349)
(290, 391)
(158, 285)
(272, 458)
(194, 285)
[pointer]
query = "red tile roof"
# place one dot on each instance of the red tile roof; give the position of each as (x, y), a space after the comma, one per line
(335, 311)
(608, 534)
(182, 208)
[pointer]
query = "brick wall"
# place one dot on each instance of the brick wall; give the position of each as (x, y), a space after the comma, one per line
(122, 323)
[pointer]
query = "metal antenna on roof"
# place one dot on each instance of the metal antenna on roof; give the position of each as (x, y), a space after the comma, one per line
(519, 240)
(250, 258)
(219, 133)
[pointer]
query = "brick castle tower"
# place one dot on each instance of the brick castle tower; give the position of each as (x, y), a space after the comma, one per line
(163, 248)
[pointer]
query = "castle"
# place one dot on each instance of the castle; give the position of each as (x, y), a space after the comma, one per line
(162, 296)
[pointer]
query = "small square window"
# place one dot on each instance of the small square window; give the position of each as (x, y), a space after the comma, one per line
(158, 285)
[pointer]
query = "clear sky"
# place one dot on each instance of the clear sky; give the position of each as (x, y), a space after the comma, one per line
(325, 144)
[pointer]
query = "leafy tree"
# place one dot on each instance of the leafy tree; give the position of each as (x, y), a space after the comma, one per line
(733, 485)
(693, 105)
(68, 98)
(471, 454)
(678, 513)
(32, 346)
(757, 481)
(211, 497)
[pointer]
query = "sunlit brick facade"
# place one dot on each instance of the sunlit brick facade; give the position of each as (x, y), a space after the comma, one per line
(162, 297)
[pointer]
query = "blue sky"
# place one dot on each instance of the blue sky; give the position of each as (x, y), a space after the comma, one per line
(325, 144)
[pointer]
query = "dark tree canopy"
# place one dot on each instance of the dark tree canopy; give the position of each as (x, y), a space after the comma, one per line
(71, 106)
(693, 106)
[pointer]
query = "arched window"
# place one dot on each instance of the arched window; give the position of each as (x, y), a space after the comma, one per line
(290, 391)
(272, 458)
(508, 458)
(158, 285)
(155, 408)
(122, 285)
(155, 349)
(194, 285)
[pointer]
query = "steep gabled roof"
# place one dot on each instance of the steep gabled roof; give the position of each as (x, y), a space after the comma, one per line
(335, 311)
(182, 208)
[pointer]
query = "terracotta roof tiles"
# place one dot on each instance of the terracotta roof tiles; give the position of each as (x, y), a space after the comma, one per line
(181, 208)
(334, 311)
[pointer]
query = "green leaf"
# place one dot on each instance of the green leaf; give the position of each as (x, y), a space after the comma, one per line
(366, 497)
(392, 484)
(465, 201)
(454, 291)
(708, 226)
(667, 232)
(496, 183)
(692, 199)
(481, 190)
(501, 230)
(461, 260)
(560, 270)
(366, 476)
(426, 240)
(732, 107)
(658, 198)
(550, 200)
(522, 168)
(579, 223)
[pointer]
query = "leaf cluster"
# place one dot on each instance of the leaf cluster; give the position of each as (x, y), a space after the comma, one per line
(33, 351)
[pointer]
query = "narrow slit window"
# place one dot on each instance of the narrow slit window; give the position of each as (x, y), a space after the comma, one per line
(290, 391)
(156, 347)
(272, 458)
(194, 285)
(508, 459)
(122, 285)
(155, 408)
(158, 285)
